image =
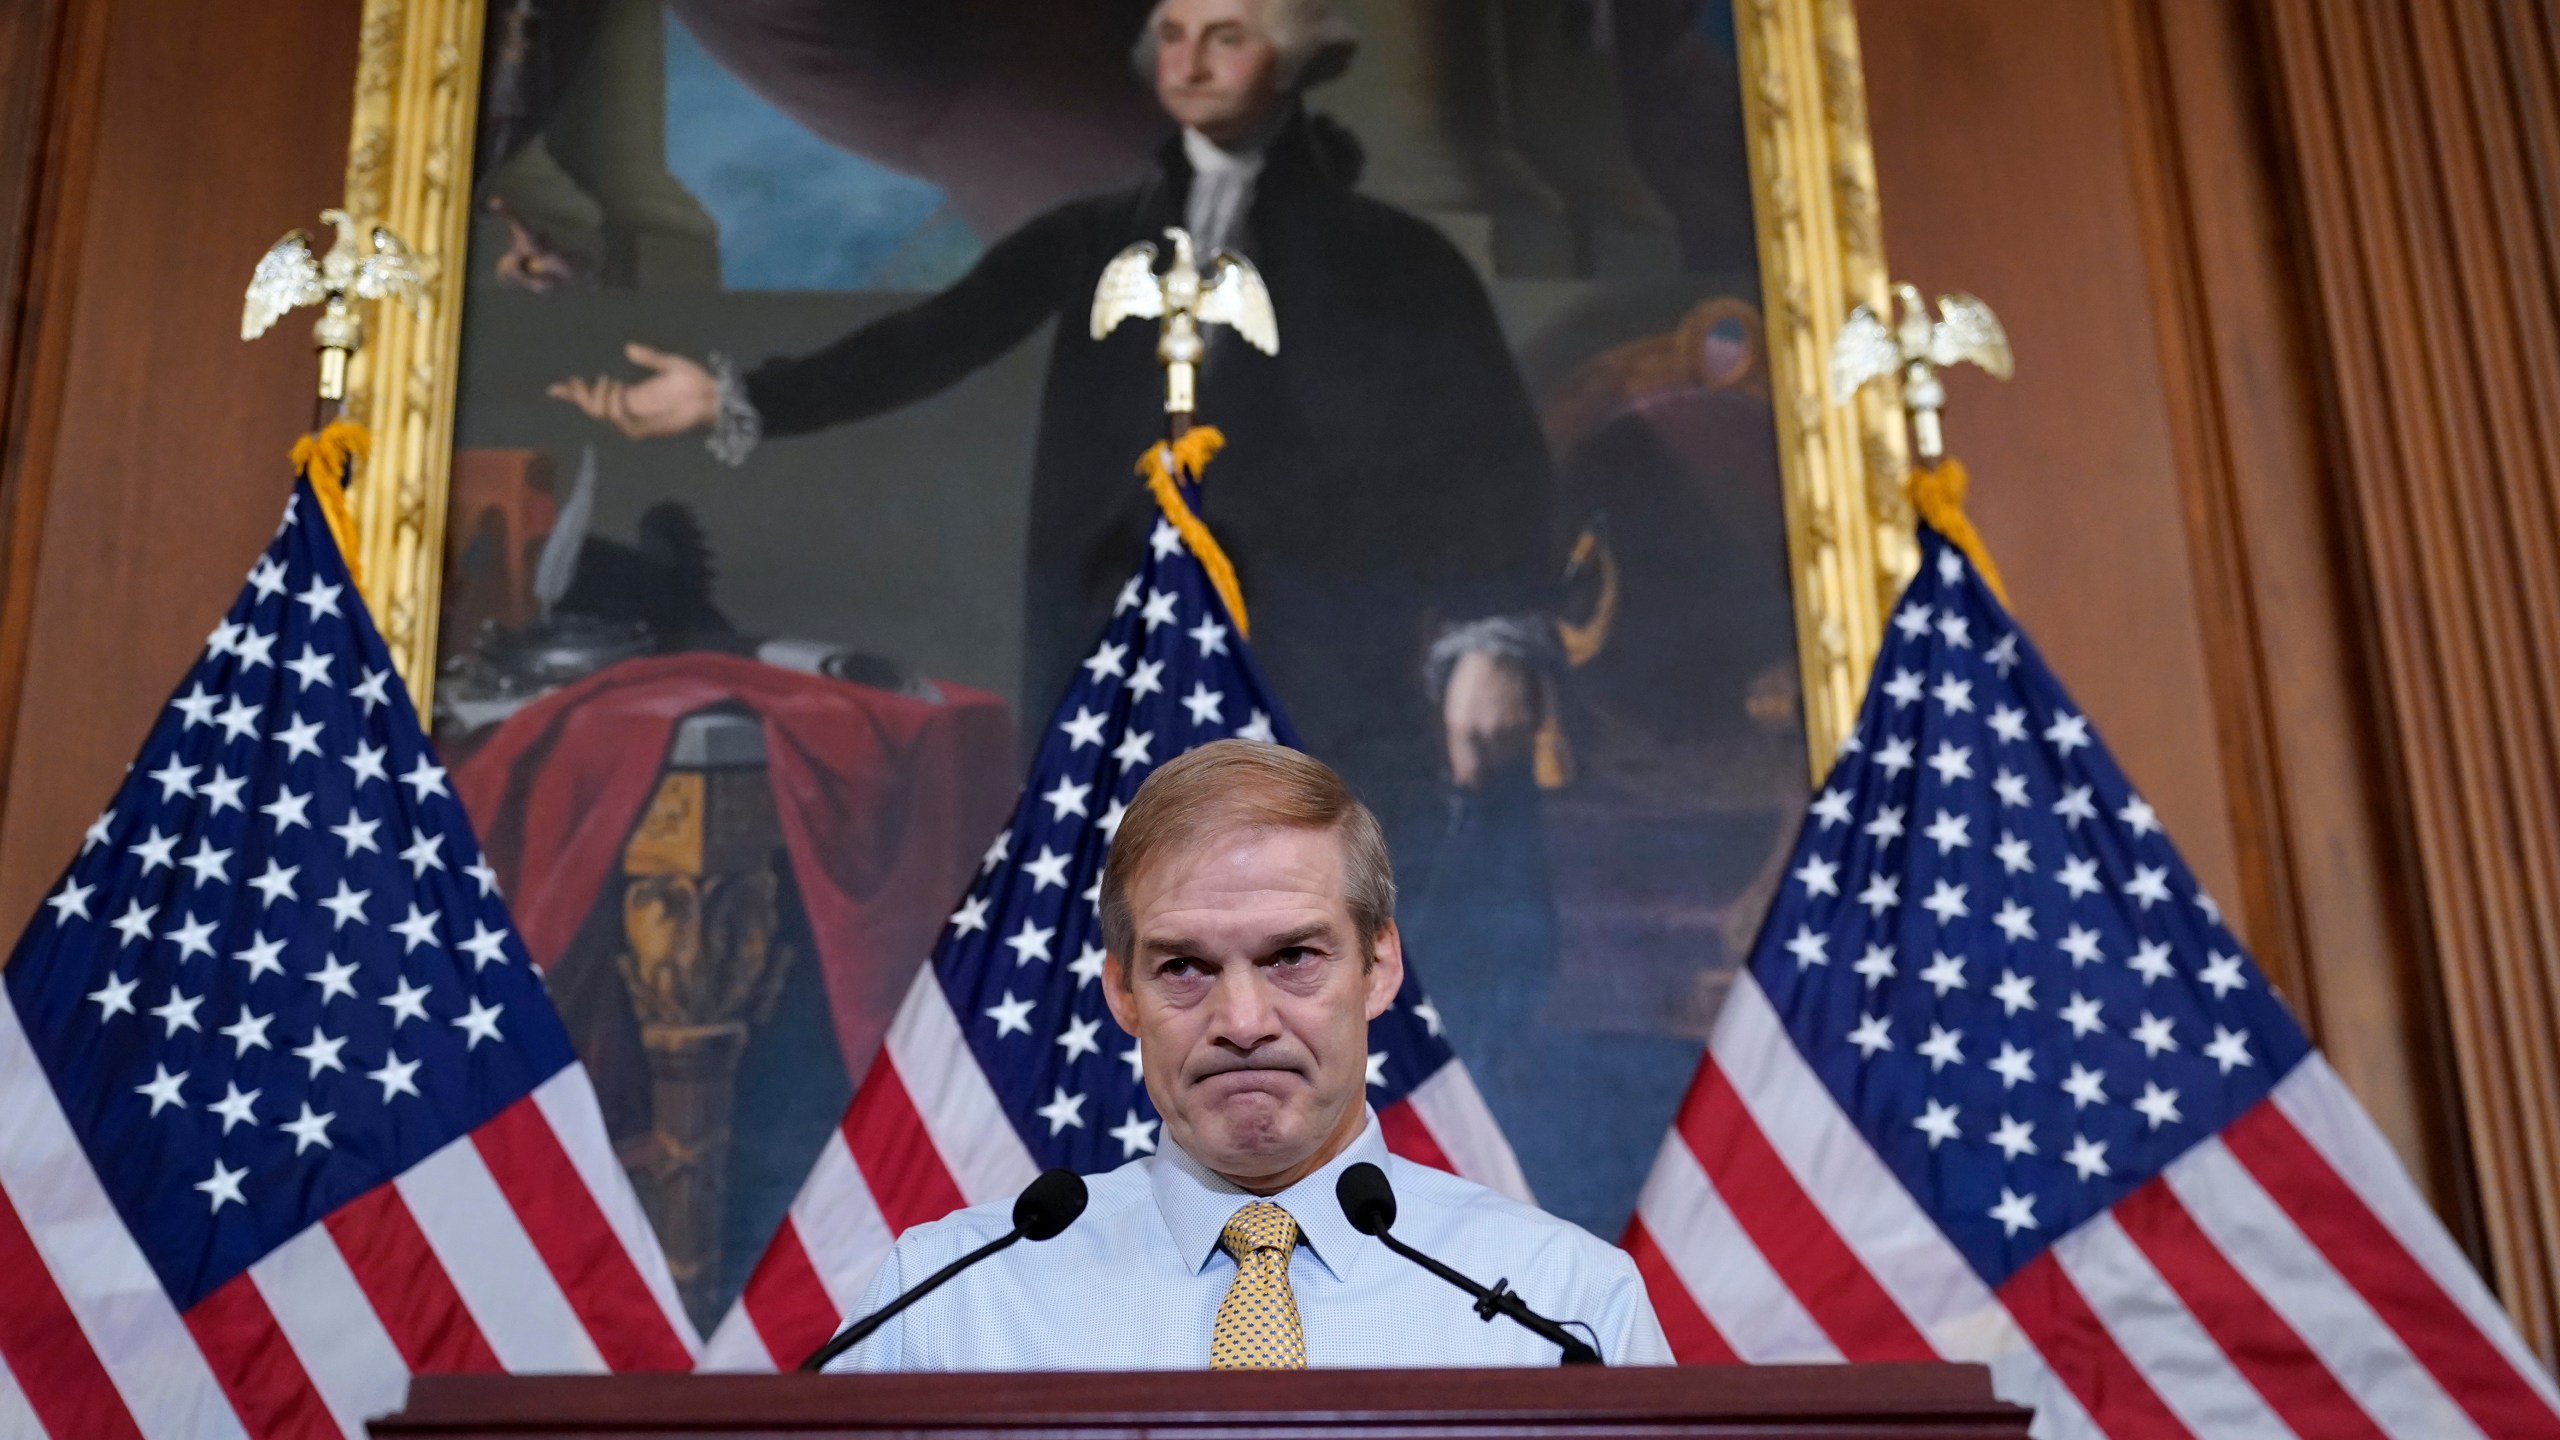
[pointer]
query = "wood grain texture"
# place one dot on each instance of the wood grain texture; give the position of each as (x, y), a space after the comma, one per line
(2001, 150)
(216, 127)
(2423, 131)
(2329, 880)
(48, 66)
(2159, 482)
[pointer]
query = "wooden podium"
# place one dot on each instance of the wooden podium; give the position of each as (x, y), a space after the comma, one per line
(1943, 1402)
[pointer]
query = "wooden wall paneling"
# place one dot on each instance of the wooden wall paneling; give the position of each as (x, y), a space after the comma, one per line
(2421, 129)
(2157, 483)
(49, 52)
(2328, 880)
(34, 46)
(219, 124)
(2000, 156)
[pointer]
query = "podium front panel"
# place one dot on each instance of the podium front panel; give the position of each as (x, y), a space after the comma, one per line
(1943, 1402)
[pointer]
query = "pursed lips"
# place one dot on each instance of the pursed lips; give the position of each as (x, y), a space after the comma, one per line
(1222, 1071)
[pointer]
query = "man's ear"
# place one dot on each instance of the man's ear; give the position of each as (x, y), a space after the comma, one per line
(1386, 969)
(1117, 994)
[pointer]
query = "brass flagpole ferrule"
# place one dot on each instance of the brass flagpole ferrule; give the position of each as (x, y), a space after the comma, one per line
(1185, 297)
(357, 267)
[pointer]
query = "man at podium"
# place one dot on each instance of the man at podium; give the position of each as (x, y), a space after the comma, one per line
(1249, 911)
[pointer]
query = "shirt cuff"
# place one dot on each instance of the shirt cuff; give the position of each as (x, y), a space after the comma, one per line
(1529, 639)
(736, 427)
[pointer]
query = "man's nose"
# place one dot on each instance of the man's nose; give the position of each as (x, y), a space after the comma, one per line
(1241, 1014)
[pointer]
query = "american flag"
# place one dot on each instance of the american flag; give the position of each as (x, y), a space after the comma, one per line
(1999, 1085)
(1003, 1060)
(286, 1115)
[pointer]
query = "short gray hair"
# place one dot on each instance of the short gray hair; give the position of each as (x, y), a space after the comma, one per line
(1314, 41)
(1229, 785)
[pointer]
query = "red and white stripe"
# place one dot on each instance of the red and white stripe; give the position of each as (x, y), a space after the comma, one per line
(520, 1246)
(2282, 1278)
(925, 1136)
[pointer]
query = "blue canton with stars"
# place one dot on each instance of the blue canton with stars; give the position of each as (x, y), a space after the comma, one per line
(1021, 960)
(278, 973)
(1992, 955)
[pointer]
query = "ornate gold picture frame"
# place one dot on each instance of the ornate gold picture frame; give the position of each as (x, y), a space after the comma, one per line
(1814, 198)
(1593, 349)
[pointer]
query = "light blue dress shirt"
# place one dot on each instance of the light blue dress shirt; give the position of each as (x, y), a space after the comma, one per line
(1135, 1284)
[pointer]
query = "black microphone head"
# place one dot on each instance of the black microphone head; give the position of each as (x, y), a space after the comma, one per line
(1367, 1199)
(1049, 1204)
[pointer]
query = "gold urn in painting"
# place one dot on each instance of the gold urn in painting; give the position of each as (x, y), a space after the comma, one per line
(701, 898)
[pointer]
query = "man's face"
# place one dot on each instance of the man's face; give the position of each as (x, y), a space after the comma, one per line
(1215, 69)
(1246, 991)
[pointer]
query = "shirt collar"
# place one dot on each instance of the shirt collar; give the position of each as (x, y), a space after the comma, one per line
(1197, 1202)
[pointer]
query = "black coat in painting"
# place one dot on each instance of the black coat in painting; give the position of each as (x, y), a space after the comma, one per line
(1384, 476)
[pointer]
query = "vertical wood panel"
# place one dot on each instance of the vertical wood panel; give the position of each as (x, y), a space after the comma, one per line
(48, 73)
(219, 125)
(2001, 154)
(2328, 876)
(2421, 131)
(2159, 484)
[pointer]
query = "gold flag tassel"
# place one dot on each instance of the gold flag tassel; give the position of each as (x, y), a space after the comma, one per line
(324, 459)
(1188, 455)
(1937, 492)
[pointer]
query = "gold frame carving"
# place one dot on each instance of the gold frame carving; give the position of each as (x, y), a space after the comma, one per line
(409, 167)
(1850, 541)
(1813, 190)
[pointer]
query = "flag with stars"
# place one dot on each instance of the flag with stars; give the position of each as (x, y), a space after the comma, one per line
(286, 1115)
(1998, 1084)
(1003, 1061)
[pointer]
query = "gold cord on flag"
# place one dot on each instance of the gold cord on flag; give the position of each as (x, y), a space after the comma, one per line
(1188, 455)
(324, 460)
(1937, 492)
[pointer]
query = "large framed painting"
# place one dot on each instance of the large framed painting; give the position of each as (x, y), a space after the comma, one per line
(749, 489)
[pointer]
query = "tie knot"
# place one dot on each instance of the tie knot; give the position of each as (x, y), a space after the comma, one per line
(1259, 1226)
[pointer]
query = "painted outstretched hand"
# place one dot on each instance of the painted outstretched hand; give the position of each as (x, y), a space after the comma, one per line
(678, 395)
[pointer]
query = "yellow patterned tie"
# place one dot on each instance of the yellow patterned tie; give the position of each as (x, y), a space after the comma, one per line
(1258, 1321)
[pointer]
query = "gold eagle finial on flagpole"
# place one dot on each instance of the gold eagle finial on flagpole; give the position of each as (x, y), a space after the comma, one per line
(357, 267)
(1868, 349)
(1185, 297)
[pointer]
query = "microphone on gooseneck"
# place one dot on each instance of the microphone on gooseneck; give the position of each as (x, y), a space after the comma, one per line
(1049, 1204)
(1369, 1203)
(1046, 1206)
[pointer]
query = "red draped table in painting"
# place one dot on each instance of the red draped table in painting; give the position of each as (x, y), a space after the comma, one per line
(676, 833)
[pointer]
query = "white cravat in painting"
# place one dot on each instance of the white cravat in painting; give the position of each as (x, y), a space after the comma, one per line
(1221, 189)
